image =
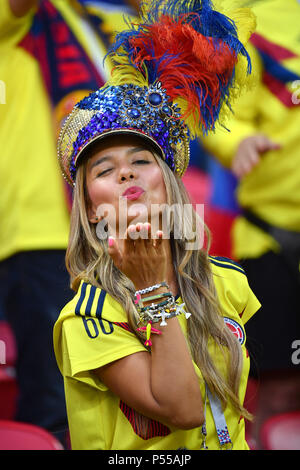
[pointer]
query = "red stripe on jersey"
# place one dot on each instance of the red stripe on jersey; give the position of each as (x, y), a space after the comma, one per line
(143, 427)
(123, 325)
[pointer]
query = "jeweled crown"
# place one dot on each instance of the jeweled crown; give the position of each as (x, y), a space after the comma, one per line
(144, 111)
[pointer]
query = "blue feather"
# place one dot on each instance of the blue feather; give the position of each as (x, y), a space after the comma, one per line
(204, 20)
(201, 16)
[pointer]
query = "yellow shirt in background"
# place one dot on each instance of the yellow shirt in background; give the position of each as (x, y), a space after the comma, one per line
(33, 210)
(33, 203)
(272, 189)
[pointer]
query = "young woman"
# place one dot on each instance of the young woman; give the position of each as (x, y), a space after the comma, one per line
(152, 347)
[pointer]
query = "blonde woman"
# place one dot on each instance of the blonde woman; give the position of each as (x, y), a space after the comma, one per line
(152, 347)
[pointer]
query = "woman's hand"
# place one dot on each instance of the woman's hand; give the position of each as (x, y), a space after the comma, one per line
(141, 256)
(249, 153)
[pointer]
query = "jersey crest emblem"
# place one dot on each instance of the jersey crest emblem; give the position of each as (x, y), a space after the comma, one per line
(236, 329)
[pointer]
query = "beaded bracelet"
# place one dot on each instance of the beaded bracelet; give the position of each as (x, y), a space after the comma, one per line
(157, 296)
(152, 288)
(154, 307)
(161, 315)
(154, 313)
(138, 294)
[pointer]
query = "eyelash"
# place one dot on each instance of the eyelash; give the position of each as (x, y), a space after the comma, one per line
(141, 161)
(103, 172)
(137, 161)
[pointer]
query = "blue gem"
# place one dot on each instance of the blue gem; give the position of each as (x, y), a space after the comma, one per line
(133, 113)
(127, 102)
(167, 110)
(155, 99)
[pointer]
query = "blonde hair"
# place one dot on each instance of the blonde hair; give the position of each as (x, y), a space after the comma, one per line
(87, 259)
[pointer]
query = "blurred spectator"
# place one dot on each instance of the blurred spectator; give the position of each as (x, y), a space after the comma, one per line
(51, 54)
(262, 149)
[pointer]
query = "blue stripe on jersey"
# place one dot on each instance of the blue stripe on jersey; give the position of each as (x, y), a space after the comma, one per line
(226, 263)
(81, 298)
(100, 303)
(90, 300)
(227, 260)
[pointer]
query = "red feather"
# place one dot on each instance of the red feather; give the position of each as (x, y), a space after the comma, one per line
(190, 62)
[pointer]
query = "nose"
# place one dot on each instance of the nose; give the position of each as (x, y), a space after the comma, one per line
(126, 174)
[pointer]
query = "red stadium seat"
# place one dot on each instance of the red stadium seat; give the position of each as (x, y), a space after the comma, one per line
(281, 432)
(8, 382)
(8, 393)
(8, 346)
(22, 436)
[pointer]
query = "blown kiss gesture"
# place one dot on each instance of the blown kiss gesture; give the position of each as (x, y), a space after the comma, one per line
(141, 255)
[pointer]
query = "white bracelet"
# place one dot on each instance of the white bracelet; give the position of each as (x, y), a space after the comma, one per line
(151, 288)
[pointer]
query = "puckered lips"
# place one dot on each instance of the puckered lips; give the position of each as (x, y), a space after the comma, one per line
(134, 192)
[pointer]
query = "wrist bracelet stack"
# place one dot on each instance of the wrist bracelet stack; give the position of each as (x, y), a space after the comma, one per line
(156, 312)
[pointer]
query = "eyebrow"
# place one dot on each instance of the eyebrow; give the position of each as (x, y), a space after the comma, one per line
(109, 157)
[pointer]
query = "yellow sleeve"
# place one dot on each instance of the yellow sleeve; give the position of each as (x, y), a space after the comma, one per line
(223, 143)
(235, 295)
(89, 343)
(11, 27)
(251, 305)
(91, 332)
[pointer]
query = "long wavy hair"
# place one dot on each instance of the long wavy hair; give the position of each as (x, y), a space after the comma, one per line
(87, 259)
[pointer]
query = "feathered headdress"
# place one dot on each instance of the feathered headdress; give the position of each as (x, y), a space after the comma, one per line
(175, 74)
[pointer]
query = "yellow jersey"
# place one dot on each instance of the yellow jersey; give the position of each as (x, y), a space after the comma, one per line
(93, 331)
(34, 204)
(271, 107)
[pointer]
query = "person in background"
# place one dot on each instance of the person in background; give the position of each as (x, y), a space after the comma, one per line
(262, 150)
(51, 54)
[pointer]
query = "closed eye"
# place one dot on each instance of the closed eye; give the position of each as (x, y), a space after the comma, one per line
(140, 162)
(137, 162)
(104, 172)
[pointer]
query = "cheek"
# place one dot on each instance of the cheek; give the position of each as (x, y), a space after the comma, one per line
(159, 187)
(103, 203)
(98, 194)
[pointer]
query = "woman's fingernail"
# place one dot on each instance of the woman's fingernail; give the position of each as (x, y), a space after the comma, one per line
(110, 241)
